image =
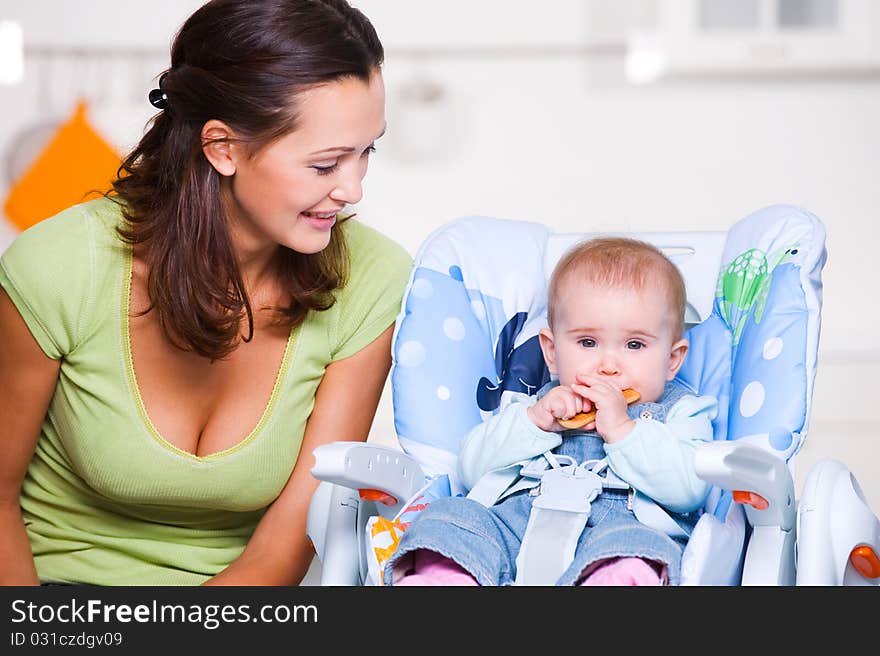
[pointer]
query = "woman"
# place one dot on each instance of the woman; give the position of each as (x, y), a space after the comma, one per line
(172, 353)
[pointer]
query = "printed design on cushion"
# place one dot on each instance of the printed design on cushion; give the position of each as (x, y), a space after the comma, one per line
(744, 284)
(384, 534)
(441, 351)
(468, 281)
(384, 537)
(768, 391)
(520, 369)
(768, 399)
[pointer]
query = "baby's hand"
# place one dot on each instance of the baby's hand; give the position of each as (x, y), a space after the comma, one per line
(612, 421)
(559, 403)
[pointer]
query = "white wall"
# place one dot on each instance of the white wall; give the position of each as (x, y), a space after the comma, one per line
(538, 123)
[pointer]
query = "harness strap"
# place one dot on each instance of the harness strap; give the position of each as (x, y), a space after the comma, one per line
(650, 513)
(560, 512)
(548, 545)
(492, 485)
(499, 483)
(564, 492)
(556, 521)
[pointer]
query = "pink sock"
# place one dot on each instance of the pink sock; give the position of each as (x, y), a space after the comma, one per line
(624, 571)
(430, 568)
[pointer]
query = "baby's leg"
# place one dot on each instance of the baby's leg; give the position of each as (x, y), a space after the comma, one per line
(431, 568)
(625, 571)
(463, 530)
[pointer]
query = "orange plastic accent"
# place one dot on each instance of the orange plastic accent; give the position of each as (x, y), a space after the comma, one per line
(866, 562)
(754, 500)
(76, 162)
(377, 495)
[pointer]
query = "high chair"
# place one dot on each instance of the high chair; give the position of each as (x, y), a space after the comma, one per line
(465, 345)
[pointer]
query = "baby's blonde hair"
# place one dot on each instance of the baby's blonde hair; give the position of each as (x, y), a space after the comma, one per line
(619, 262)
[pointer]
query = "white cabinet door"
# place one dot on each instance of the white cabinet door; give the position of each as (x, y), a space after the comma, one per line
(752, 37)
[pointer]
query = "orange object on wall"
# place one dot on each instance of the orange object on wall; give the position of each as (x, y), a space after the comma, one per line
(76, 164)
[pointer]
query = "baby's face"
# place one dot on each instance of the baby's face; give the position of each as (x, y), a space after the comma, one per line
(625, 336)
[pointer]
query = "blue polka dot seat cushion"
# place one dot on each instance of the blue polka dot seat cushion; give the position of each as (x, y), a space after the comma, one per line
(466, 342)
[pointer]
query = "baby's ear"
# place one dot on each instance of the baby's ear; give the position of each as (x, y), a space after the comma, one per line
(676, 357)
(545, 336)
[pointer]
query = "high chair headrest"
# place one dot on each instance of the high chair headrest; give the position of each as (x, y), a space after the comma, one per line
(757, 351)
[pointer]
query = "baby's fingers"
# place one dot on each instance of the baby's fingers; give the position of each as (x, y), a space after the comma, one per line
(565, 406)
(586, 395)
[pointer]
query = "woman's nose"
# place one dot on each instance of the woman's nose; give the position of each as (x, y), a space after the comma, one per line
(349, 189)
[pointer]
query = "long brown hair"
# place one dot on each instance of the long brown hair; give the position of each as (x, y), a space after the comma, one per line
(242, 62)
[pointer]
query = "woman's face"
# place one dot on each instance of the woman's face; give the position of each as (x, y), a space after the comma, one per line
(289, 192)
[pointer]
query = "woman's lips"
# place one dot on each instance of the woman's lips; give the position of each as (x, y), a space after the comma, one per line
(320, 221)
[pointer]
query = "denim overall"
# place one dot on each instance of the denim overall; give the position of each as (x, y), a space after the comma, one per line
(486, 541)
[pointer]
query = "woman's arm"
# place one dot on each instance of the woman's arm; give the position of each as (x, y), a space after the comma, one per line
(279, 552)
(27, 382)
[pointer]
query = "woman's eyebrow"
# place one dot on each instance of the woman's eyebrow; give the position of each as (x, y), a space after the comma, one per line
(345, 149)
(335, 149)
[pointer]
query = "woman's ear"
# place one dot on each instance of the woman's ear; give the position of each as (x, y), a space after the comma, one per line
(548, 348)
(218, 148)
(676, 357)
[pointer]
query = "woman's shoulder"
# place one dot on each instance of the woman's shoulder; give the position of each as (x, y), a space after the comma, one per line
(374, 256)
(70, 253)
(368, 302)
(365, 241)
(58, 270)
(72, 228)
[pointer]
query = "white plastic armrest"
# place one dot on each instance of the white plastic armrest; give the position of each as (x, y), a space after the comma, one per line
(358, 465)
(736, 466)
(834, 520)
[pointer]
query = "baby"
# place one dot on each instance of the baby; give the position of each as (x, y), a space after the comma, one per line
(615, 322)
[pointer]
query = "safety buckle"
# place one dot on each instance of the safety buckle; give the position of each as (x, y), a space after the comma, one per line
(537, 467)
(610, 480)
(569, 488)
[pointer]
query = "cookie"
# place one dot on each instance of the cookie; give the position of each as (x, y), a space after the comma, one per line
(584, 418)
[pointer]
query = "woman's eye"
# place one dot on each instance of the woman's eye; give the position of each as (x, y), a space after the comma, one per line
(326, 170)
(587, 342)
(634, 346)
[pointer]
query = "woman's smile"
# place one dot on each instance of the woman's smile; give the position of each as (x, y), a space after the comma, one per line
(320, 220)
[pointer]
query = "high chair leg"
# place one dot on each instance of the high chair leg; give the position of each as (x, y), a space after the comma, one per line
(838, 535)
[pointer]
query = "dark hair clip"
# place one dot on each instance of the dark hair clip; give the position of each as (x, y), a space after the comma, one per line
(158, 99)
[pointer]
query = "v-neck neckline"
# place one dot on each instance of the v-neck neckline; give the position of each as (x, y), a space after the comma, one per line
(138, 398)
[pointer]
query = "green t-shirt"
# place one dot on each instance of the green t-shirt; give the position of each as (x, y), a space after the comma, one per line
(106, 499)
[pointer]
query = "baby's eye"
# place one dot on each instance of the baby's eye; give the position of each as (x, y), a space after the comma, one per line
(587, 342)
(369, 151)
(634, 345)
